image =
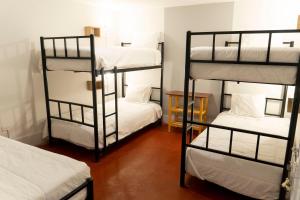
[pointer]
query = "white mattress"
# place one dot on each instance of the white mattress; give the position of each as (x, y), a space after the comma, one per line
(245, 177)
(121, 57)
(250, 73)
(132, 117)
(27, 172)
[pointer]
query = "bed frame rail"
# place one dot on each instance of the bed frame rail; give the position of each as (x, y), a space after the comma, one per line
(239, 43)
(65, 39)
(238, 131)
(88, 184)
(70, 111)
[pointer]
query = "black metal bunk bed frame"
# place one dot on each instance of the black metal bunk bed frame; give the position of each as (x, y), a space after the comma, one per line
(187, 123)
(94, 73)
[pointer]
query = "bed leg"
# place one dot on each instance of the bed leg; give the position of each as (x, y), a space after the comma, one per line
(90, 190)
(160, 123)
(182, 179)
(97, 154)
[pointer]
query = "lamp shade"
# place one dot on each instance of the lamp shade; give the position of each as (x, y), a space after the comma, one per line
(298, 23)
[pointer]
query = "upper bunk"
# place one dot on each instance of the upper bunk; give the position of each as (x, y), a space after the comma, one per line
(79, 54)
(264, 62)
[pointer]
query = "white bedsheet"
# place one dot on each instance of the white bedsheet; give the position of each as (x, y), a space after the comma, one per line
(27, 172)
(249, 178)
(250, 73)
(121, 57)
(132, 117)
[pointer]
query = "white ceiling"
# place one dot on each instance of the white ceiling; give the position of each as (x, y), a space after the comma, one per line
(158, 3)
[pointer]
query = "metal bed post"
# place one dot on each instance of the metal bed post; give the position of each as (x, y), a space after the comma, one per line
(116, 103)
(285, 90)
(94, 92)
(123, 77)
(123, 84)
(222, 97)
(44, 63)
(162, 77)
(103, 108)
(292, 131)
(192, 109)
(90, 190)
(185, 107)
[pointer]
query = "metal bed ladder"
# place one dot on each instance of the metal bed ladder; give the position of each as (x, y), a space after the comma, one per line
(115, 113)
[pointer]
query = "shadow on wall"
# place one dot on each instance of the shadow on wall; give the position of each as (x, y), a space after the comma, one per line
(17, 107)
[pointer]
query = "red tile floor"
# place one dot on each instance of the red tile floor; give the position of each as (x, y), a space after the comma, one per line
(144, 167)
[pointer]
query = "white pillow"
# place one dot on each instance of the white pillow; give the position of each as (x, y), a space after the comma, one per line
(146, 40)
(138, 93)
(248, 105)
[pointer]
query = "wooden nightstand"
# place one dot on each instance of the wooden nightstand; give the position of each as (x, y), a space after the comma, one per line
(175, 109)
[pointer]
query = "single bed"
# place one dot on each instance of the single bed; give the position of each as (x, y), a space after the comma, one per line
(27, 172)
(276, 74)
(109, 57)
(252, 179)
(132, 116)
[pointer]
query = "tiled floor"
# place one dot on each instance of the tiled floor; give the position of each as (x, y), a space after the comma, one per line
(145, 167)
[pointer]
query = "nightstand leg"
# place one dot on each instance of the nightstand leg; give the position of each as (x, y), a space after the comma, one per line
(169, 113)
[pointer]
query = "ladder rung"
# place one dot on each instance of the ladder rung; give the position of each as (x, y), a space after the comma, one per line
(110, 114)
(111, 134)
(108, 94)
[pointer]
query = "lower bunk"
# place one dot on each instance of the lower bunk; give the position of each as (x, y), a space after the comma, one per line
(132, 116)
(259, 180)
(27, 172)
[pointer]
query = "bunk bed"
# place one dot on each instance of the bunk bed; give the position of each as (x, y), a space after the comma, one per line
(28, 172)
(221, 153)
(95, 126)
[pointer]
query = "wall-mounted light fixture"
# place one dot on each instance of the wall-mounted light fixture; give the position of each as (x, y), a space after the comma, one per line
(90, 83)
(298, 24)
(90, 30)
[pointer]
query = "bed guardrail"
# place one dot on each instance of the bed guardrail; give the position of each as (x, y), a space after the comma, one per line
(238, 131)
(65, 39)
(239, 43)
(70, 111)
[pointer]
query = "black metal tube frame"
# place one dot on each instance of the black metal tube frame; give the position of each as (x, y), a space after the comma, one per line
(186, 122)
(88, 185)
(94, 73)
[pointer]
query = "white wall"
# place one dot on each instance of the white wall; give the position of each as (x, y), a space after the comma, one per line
(178, 20)
(264, 15)
(22, 107)
(135, 20)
